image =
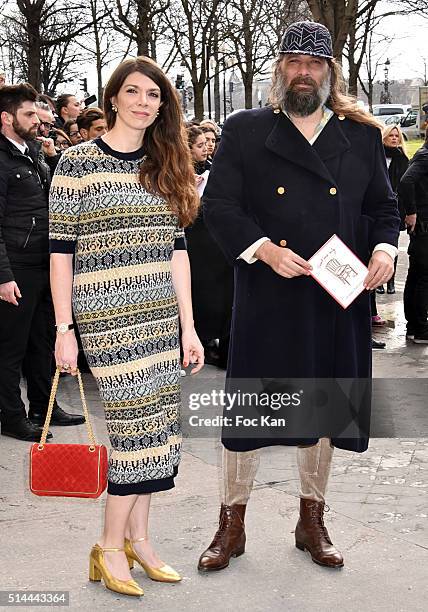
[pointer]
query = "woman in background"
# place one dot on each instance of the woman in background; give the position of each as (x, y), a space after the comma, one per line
(61, 140)
(212, 276)
(211, 141)
(72, 130)
(198, 149)
(397, 161)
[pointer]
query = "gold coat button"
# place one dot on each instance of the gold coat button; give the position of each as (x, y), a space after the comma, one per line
(283, 243)
(281, 190)
(341, 117)
(277, 110)
(333, 191)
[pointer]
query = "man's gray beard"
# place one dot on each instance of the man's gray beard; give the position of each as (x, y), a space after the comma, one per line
(303, 104)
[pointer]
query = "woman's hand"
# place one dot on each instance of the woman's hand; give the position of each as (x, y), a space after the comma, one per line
(198, 179)
(66, 352)
(193, 351)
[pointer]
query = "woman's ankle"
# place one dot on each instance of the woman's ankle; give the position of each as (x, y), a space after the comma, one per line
(105, 543)
(137, 537)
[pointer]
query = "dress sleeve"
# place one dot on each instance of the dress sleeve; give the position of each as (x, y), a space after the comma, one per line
(180, 240)
(65, 199)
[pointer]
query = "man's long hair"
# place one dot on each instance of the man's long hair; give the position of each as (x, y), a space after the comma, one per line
(338, 101)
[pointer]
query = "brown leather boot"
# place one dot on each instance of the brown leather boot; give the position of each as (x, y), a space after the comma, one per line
(312, 535)
(229, 540)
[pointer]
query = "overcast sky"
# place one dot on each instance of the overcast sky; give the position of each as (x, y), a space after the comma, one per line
(406, 52)
(409, 46)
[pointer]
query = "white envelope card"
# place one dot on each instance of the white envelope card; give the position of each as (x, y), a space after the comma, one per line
(339, 271)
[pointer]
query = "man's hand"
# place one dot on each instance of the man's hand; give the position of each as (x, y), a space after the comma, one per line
(410, 222)
(48, 146)
(283, 261)
(381, 268)
(9, 292)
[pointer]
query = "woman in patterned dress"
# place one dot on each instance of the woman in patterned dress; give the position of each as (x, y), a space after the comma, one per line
(118, 205)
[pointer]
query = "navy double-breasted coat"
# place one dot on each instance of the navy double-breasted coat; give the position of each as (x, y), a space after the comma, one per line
(268, 180)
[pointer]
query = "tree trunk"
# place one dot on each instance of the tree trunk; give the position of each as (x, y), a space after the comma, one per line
(98, 58)
(217, 100)
(339, 17)
(247, 75)
(353, 80)
(32, 18)
(248, 88)
(198, 100)
(353, 70)
(144, 35)
(153, 54)
(100, 88)
(370, 96)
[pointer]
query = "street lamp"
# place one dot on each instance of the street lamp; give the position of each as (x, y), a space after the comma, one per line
(233, 80)
(231, 88)
(386, 96)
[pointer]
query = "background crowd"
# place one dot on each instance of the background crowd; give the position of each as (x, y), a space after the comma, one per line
(31, 144)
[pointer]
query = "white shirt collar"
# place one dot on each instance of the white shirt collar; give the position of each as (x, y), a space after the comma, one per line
(327, 114)
(18, 145)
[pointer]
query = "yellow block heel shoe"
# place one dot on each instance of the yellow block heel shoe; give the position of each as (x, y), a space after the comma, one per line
(162, 574)
(98, 570)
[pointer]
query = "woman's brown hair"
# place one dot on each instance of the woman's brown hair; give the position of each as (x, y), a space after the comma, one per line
(338, 101)
(61, 133)
(193, 133)
(167, 169)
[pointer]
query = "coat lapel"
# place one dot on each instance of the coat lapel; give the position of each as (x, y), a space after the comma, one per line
(332, 142)
(286, 141)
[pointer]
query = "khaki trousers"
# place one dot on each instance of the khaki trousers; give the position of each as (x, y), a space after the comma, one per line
(240, 469)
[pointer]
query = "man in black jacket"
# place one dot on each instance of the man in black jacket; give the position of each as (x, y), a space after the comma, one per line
(26, 311)
(413, 191)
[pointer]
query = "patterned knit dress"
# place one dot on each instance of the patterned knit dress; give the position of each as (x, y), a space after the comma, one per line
(123, 239)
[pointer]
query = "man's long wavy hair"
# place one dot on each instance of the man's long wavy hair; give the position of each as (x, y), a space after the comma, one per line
(167, 169)
(338, 101)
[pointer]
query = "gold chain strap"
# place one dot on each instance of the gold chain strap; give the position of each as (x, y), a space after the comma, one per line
(50, 408)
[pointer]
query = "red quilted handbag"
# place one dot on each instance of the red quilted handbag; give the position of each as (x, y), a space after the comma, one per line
(68, 470)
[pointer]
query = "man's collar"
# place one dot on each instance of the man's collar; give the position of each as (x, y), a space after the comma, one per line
(14, 147)
(21, 147)
(327, 114)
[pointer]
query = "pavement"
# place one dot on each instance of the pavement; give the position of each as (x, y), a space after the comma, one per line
(378, 517)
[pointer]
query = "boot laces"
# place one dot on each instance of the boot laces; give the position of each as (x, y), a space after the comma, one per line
(317, 513)
(226, 520)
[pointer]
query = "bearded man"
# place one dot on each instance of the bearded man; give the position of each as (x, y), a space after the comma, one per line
(284, 180)
(27, 335)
